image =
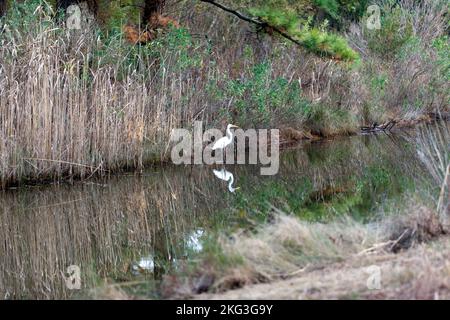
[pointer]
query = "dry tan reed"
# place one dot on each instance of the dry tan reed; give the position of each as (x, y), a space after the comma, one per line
(61, 116)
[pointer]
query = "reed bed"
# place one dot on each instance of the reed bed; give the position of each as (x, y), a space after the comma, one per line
(67, 113)
(434, 151)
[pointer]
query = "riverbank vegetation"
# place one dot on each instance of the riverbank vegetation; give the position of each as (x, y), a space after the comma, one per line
(79, 103)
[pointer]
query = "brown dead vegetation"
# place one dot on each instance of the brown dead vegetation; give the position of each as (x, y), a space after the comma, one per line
(156, 22)
(420, 273)
(289, 134)
(153, 21)
(293, 249)
(331, 264)
(421, 226)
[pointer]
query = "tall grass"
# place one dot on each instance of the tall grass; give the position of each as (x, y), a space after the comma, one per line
(434, 151)
(73, 106)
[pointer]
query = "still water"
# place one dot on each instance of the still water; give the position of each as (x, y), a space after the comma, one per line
(136, 228)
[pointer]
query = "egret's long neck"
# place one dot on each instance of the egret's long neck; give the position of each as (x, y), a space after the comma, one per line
(230, 184)
(229, 134)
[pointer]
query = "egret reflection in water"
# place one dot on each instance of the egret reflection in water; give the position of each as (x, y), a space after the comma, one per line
(226, 176)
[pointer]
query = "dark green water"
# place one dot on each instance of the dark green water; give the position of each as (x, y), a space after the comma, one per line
(130, 228)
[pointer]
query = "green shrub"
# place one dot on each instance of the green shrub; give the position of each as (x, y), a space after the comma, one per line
(331, 7)
(330, 120)
(396, 30)
(261, 100)
(442, 47)
(25, 16)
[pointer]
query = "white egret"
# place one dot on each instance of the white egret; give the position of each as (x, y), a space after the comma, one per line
(224, 141)
(226, 176)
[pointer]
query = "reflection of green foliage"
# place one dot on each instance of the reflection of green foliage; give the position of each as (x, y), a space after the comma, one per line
(379, 178)
(339, 204)
(376, 180)
(273, 193)
(327, 156)
(381, 183)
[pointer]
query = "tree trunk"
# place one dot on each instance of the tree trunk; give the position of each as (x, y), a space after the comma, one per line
(2, 7)
(151, 8)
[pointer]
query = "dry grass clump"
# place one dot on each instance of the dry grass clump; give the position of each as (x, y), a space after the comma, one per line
(277, 250)
(72, 106)
(421, 273)
(434, 151)
(420, 225)
(289, 244)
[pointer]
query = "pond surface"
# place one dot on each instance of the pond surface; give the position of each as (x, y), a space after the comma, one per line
(132, 228)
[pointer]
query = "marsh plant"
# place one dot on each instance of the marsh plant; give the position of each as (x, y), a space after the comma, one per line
(434, 151)
(75, 105)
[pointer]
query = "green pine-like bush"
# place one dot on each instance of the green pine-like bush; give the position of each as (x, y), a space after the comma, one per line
(311, 38)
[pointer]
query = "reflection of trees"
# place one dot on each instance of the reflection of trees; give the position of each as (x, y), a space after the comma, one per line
(357, 172)
(332, 164)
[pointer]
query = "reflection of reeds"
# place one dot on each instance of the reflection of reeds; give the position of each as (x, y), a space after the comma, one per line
(434, 151)
(100, 228)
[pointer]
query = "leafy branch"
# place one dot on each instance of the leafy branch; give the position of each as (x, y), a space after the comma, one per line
(285, 25)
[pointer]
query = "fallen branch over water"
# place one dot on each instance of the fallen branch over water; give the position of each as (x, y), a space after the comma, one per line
(65, 162)
(386, 127)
